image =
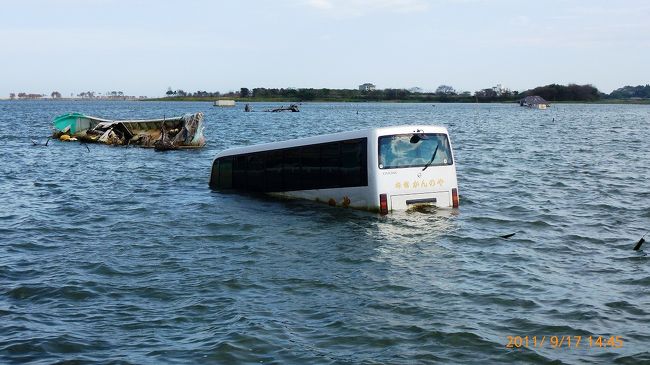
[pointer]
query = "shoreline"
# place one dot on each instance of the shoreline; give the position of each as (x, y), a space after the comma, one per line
(289, 100)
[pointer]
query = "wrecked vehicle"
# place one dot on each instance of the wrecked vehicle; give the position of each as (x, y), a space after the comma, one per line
(162, 134)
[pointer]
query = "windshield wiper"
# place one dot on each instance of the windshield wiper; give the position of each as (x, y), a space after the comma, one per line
(432, 158)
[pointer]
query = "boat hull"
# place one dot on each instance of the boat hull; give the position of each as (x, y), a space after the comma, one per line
(167, 133)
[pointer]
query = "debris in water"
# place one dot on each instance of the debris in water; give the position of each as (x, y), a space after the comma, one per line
(290, 108)
(163, 134)
(36, 143)
(638, 244)
(507, 235)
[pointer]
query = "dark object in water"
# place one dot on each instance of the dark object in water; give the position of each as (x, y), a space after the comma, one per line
(638, 244)
(291, 108)
(36, 143)
(247, 108)
(507, 235)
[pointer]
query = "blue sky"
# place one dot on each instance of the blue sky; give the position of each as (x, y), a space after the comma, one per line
(142, 47)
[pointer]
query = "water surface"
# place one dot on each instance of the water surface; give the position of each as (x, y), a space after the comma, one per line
(125, 254)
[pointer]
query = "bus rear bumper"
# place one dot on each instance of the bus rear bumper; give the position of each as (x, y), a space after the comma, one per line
(407, 201)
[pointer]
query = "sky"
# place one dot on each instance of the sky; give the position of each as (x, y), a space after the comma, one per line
(142, 47)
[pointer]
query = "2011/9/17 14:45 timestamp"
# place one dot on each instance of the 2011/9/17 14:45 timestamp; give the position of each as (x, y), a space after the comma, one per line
(566, 342)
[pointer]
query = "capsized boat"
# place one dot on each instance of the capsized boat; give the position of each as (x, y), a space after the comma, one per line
(163, 134)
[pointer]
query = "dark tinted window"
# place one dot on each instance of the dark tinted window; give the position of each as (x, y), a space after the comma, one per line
(225, 173)
(330, 158)
(255, 175)
(353, 161)
(274, 171)
(310, 163)
(214, 175)
(291, 171)
(321, 166)
(239, 171)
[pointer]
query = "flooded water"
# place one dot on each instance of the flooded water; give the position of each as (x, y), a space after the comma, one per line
(125, 254)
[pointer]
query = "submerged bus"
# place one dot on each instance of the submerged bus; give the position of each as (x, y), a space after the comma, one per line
(380, 169)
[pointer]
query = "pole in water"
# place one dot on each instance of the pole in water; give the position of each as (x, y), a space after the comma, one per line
(638, 244)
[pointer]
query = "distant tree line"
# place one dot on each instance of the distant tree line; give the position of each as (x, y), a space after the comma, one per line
(197, 94)
(571, 92)
(631, 92)
(444, 93)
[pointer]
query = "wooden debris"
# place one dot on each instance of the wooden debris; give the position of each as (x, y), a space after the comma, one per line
(291, 108)
(162, 134)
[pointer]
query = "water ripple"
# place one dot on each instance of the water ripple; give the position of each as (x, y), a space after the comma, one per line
(124, 255)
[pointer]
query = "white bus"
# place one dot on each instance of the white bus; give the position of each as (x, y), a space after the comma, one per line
(379, 169)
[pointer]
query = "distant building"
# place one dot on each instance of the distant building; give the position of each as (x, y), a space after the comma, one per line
(367, 87)
(535, 102)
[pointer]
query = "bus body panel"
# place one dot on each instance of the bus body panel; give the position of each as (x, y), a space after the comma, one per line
(411, 186)
(355, 197)
(404, 186)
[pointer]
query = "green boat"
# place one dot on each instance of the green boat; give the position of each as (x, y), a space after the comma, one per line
(167, 133)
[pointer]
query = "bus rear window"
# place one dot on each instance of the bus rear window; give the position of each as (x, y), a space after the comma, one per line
(414, 150)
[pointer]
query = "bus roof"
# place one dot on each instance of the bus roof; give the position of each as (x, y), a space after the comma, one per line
(324, 138)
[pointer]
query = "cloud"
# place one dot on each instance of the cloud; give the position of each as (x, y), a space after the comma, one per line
(357, 8)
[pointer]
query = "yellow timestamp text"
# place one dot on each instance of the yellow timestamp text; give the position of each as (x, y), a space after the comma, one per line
(564, 342)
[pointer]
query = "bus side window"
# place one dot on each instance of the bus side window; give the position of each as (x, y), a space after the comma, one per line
(351, 160)
(273, 176)
(291, 172)
(214, 175)
(225, 173)
(330, 157)
(310, 163)
(239, 172)
(255, 175)
(364, 162)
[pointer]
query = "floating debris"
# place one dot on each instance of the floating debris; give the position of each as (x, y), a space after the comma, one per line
(36, 143)
(506, 236)
(162, 134)
(638, 244)
(247, 108)
(290, 108)
(534, 102)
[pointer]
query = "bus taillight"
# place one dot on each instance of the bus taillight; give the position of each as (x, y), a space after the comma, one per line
(454, 197)
(383, 204)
